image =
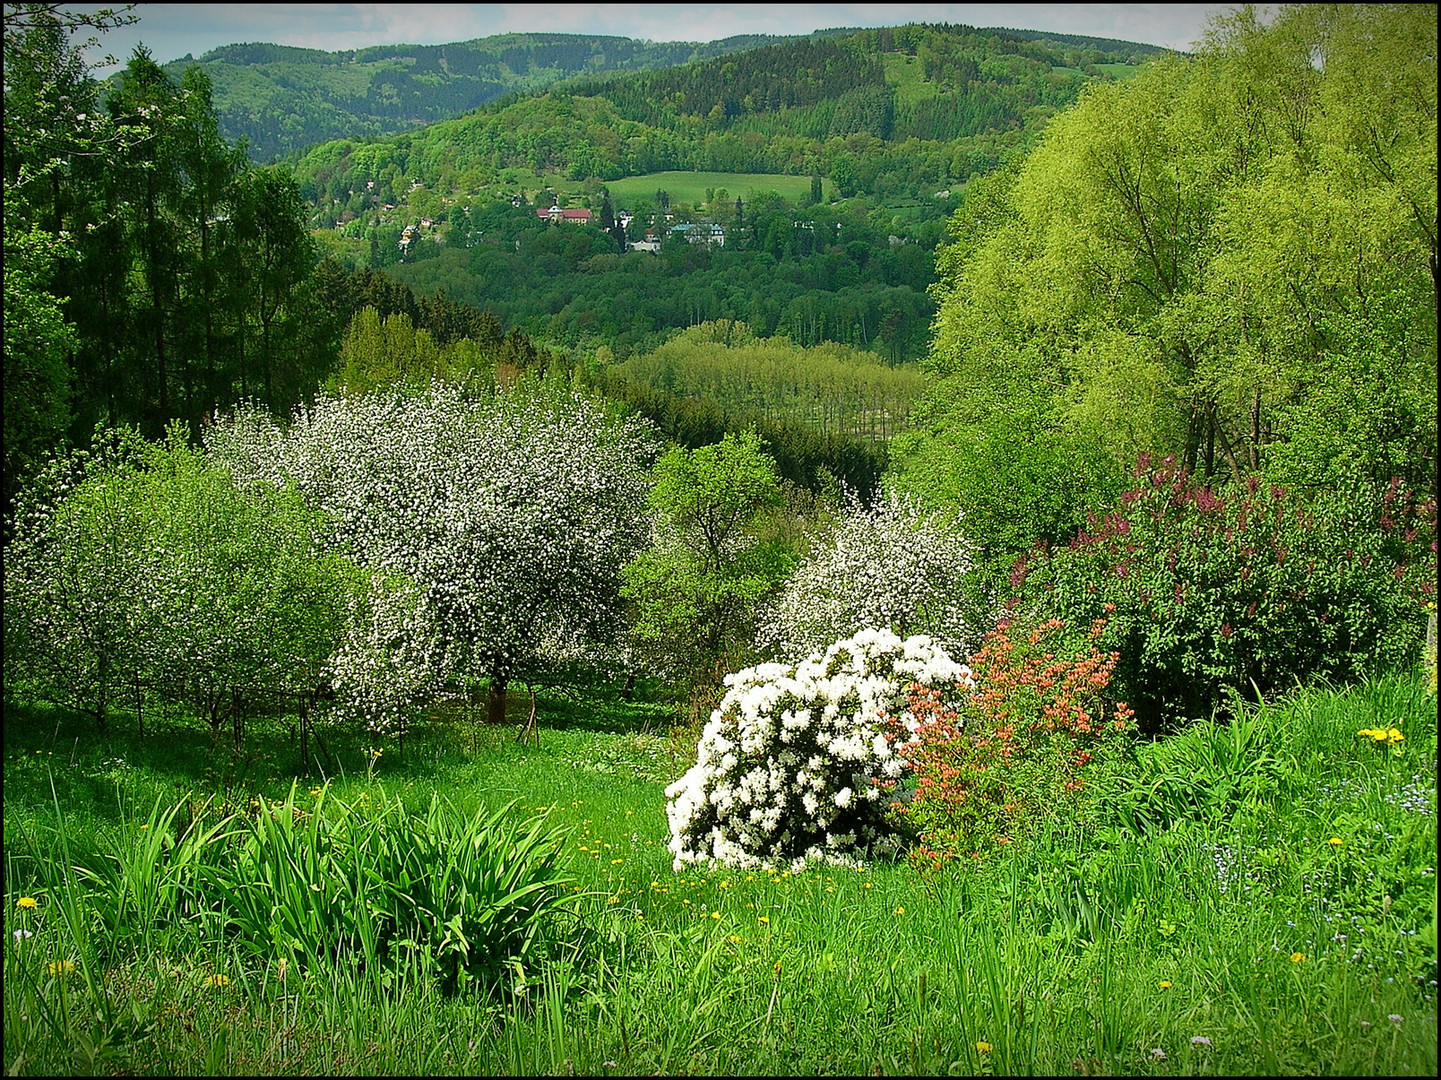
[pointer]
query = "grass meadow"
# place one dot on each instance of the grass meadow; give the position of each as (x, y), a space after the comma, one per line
(1253, 897)
(691, 187)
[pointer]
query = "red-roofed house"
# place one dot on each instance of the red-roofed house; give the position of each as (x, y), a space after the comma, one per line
(555, 213)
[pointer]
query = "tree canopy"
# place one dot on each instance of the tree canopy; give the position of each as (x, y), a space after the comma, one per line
(1230, 259)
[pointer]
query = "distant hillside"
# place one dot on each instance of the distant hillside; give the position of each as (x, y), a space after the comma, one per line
(893, 112)
(281, 98)
(870, 134)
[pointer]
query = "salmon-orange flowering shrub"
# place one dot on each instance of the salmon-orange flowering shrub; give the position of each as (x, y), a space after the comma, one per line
(1021, 745)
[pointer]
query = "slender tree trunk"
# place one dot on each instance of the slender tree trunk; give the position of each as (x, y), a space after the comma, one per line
(1256, 430)
(495, 701)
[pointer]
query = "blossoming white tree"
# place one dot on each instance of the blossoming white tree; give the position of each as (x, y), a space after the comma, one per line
(794, 763)
(891, 565)
(510, 517)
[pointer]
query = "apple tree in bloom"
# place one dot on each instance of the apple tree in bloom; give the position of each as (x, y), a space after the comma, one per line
(499, 526)
(891, 565)
(795, 763)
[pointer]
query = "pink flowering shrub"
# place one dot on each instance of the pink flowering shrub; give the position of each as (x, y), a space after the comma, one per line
(1243, 590)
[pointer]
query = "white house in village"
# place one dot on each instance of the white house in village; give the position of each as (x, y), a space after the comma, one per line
(651, 243)
(702, 233)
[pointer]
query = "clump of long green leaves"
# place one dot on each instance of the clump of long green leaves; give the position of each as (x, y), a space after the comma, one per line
(465, 896)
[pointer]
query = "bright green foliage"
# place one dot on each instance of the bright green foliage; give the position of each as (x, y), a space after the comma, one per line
(470, 895)
(321, 882)
(1248, 592)
(1209, 261)
(698, 588)
(377, 352)
(836, 388)
(37, 379)
(143, 565)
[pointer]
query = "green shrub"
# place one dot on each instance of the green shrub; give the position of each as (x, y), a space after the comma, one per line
(460, 897)
(1244, 592)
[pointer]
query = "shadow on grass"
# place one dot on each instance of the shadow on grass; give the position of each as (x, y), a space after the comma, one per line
(176, 755)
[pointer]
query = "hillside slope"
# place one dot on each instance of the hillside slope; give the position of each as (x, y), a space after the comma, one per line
(280, 98)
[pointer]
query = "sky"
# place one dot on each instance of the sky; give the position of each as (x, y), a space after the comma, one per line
(172, 30)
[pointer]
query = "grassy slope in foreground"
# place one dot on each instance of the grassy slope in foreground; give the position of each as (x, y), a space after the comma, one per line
(1236, 940)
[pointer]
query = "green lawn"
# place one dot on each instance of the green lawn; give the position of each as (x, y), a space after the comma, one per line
(690, 187)
(1119, 71)
(1270, 906)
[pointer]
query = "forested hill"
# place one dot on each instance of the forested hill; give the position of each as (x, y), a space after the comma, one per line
(281, 98)
(830, 162)
(893, 111)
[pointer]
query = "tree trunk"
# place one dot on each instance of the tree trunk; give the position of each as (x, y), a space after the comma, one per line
(495, 702)
(1256, 430)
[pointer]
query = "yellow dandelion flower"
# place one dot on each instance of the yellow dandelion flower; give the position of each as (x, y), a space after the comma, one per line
(900, 911)
(60, 967)
(984, 1047)
(217, 980)
(1165, 984)
(1335, 841)
(734, 939)
(26, 903)
(1298, 957)
(867, 885)
(715, 914)
(616, 862)
(765, 919)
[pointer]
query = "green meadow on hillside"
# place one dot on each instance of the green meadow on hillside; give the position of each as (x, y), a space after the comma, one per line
(692, 187)
(1286, 928)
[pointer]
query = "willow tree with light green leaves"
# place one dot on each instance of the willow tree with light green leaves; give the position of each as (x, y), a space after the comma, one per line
(1229, 258)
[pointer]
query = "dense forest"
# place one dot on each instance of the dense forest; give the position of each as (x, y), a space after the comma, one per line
(913, 103)
(279, 99)
(888, 124)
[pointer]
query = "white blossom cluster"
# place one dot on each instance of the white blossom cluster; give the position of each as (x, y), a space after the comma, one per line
(891, 565)
(793, 764)
(510, 517)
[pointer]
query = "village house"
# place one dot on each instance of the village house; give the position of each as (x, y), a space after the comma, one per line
(651, 243)
(708, 234)
(556, 214)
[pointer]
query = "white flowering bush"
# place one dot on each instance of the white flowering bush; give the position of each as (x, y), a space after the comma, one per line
(510, 516)
(891, 565)
(794, 763)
